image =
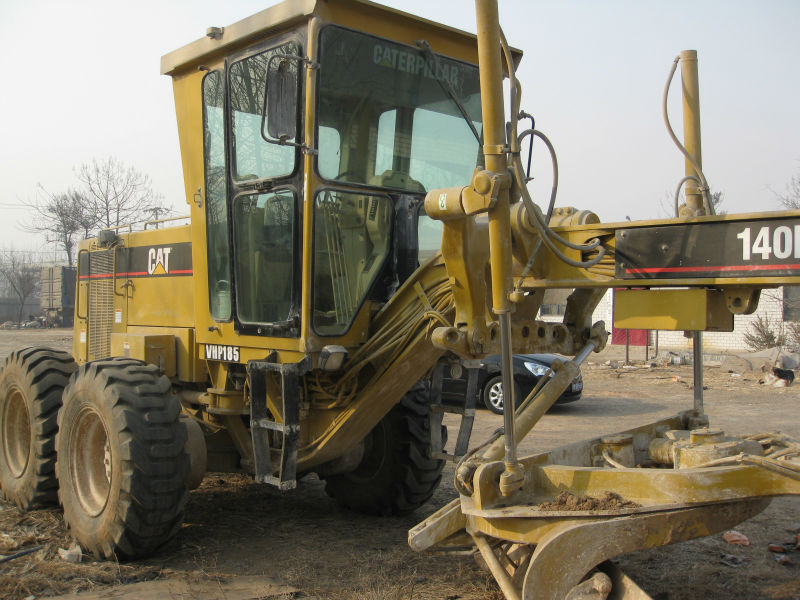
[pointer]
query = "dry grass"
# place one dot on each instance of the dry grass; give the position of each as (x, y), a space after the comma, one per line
(303, 539)
(236, 527)
(394, 575)
(43, 573)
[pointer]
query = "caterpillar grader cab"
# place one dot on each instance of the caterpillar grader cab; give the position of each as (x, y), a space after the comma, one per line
(360, 227)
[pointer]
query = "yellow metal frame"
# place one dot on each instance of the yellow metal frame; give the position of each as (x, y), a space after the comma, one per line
(460, 302)
(536, 553)
(182, 65)
(330, 426)
(560, 546)
(695, 309)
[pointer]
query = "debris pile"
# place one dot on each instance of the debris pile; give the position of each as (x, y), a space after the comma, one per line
(567, 501)
(771, 367)
(781, 551)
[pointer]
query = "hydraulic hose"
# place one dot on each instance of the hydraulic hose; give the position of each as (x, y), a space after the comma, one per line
(382, 348)
(553, 158)
(553, 191)
(689, 157)
(546, 234)
(680, 185)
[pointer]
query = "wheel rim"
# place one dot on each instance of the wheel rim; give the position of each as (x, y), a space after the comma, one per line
(16, 433)
(496, 395)
(90, 461)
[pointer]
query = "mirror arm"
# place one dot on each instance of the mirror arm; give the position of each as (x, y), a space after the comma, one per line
(283, 140)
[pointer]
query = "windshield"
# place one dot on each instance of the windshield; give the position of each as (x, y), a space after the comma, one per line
(385, 117)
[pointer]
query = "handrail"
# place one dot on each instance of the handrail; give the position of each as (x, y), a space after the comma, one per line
(165, 219)
(78, 288)
(118, 227)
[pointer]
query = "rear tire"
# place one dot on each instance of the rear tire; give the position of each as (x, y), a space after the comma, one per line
(31, 385)
(396, 475)
(121, 466)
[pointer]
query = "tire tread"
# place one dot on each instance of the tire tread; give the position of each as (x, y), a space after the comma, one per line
(43, 374)
(410, 476)
(152, 478)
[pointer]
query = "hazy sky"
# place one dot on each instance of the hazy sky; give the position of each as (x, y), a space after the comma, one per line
(82, 81)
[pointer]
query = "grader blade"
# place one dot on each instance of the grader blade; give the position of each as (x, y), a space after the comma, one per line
(566, 549)
(583, 504)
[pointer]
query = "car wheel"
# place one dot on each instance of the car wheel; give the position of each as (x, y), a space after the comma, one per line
(493, 394)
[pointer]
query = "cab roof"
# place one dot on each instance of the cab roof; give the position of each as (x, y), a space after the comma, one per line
(361, 15)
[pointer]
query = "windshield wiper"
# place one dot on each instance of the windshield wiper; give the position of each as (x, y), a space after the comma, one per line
(448, 89)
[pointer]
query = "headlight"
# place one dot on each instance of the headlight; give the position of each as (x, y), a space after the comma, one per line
(537, 369)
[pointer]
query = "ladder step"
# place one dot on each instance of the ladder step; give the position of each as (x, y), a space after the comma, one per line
(466, 410)
(274, 425)
(453, 410)
(282, 474)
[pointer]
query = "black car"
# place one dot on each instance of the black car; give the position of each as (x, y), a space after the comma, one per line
(528, 369)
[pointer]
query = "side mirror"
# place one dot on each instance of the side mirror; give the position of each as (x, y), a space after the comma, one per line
(280, 100)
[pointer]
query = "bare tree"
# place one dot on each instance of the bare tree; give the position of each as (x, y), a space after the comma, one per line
(667, 203)
(716, 203)
(784, 330)
(791, 197)
(22, 275)
(62, 218)
(119, 193)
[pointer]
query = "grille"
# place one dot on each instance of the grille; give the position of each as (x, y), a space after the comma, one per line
(101, 303)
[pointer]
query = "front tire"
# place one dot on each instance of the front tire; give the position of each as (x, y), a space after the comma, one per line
(396, 475)
(121, 466)
(493, 394)
(31, 385)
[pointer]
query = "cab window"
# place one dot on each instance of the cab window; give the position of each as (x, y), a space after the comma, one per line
(219, 267)
(264, 226)
(397, 111)
(351, 242)
(253, 156)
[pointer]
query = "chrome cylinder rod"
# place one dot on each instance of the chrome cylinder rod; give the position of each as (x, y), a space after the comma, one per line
(509, 400)
(697, 351)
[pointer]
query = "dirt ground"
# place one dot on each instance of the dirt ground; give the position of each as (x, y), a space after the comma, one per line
(303, 541)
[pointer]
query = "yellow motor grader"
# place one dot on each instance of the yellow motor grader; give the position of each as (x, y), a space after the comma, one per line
(360, 228)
